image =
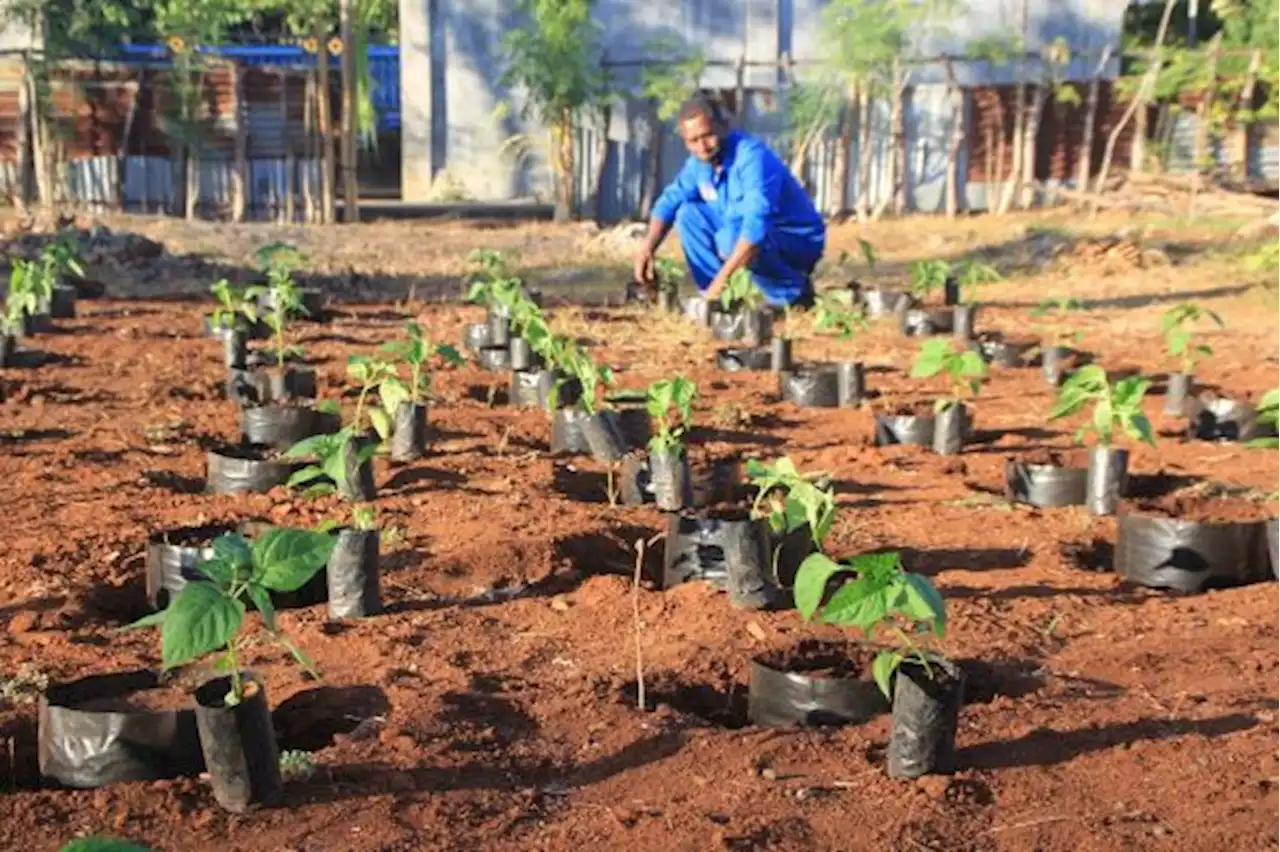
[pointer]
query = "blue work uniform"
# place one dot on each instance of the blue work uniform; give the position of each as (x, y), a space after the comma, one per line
(751, 195)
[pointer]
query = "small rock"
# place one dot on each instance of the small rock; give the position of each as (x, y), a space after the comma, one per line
(769, 774)
(559, 604)
(24, 622)
(756, 630)
(934, 785)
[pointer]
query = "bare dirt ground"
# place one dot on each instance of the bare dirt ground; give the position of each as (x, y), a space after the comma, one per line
(492, 706)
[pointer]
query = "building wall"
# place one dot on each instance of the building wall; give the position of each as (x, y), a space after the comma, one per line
(458, 117)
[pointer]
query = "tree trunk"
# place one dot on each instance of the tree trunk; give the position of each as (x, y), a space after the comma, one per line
(865, 109)
(1140, 98)
(21, 195)
(1031, 132)
(309, 149)
(897, 162)
(844, 150)
(899, 138)
(323, 120)
(1205, 107)
(39, 144)
(1240, 134)
(654, 176)
(602, 162)
(956, 96)
(562, 139)
(1019, 147)
(239, 172)
(350, 153)
(1084, 161)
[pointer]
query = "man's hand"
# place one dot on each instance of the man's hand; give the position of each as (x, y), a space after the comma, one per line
(643, 269)
(716, 289)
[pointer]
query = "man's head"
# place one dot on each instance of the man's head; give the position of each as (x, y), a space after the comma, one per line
(702, 128)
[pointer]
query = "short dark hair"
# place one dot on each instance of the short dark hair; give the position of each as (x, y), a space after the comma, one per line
(702, 105)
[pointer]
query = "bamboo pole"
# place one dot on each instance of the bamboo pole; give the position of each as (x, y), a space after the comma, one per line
(287, 211)
(309, 147)
(22, 197)
(350, 184)
(325, 123)
(240, 159)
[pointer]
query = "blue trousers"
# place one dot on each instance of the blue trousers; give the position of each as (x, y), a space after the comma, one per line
(781, 269)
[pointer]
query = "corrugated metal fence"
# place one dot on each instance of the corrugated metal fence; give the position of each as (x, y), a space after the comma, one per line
(113, 127)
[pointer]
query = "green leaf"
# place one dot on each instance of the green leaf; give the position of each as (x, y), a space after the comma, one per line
(262, 601)
(923, 603)
(200, 619)
(316, 445)
(220, 570)
(285, 559)
(883, 668)
(1138, 427)
(811, 582)
(862, 603)
(233, 549)
(152, 620)
(381, 423)
(103, 844)
(306, 475)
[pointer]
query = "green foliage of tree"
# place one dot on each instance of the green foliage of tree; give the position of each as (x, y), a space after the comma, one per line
(554, 58)
(674, 75)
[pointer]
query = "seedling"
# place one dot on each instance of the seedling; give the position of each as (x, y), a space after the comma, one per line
(331, 452)
(838, 313)
(670, 404)
(296, 765)
(1116, 407)
(24, 295)
(206, 616)
(233, 304)
(286, 301)
(889, 606)
(1179, 334)
(489, 264)
(415, 351)
(928, 276)
(963, 370)
(1060, 308)
(740, 293)
(668, 274)
(61, 255)
(802, 503)
(868, 255)
(576, 363)
(972, 274)
(1268, 418)
(805, 502)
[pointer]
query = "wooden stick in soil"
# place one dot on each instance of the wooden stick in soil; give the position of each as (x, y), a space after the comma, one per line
(635, 621)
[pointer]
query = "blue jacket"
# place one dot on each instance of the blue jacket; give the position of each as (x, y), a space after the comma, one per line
(754, 187)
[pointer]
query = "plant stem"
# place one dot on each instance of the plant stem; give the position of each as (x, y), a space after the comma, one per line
(237, 686)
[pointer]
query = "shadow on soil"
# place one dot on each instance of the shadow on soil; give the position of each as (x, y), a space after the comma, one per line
(417, 480)
(479, 720)
(930, 562)
(363, 780)
(722, 705)
(25, 436)
(593, 554)
(1046, 747)
(311, 719)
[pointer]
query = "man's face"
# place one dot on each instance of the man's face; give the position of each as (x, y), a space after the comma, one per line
(701, 137)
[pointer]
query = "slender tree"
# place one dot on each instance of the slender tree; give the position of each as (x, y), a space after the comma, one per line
(554, 58)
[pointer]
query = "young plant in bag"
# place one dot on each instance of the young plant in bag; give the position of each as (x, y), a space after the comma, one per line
(23, 298)
(1059, 309)
(1178, 326)
(928, 276)
(971, 275)
(790, 500)
(890, 606)
(837, 313)
(233, 304)
(1116, 407)
(670, 404)
(1268, 419)
(206, 616)
(286, 302)
(964, 370)
(60, 256)
(331, 453)
(741, 293)
(667, 274)
(415, 352)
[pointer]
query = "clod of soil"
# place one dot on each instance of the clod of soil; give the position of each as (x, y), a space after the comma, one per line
(1211, 503)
